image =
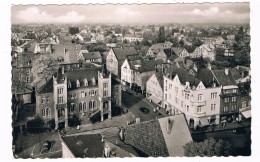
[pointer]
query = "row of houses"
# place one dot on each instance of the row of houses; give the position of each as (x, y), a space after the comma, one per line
(209, 97)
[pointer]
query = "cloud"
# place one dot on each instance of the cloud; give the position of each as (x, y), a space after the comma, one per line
(207, 12)
(125, 12)
(34, 15)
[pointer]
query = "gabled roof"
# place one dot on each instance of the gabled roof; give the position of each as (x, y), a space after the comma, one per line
(183, 75)
(224, 79)
(206, 76)
(92, 55)
(80, 75)
(121, 53)
(235, 73)
(177, 50)
(82, 146)
(48, 87)
(178, 136)
(147, 137)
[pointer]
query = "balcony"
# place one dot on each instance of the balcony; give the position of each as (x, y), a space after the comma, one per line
(198, 103)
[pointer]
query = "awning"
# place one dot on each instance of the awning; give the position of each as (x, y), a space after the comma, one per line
(246, 114)
(204, 121)
(154, 99)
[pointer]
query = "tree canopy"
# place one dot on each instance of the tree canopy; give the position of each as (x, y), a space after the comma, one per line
(161, 35)
(210, 147)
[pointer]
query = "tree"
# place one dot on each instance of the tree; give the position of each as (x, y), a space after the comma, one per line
(239, 35)
(161, 35)
(181, 43)
(210, 147)
(174, 41)
(219, 54)
(73, 30)
(36, 125)
(74, 121)
(43, 67)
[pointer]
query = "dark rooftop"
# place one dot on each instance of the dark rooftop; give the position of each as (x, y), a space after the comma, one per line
(83, 146)
(121, 53)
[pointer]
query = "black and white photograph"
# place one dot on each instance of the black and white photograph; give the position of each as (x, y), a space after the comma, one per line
(130, 80)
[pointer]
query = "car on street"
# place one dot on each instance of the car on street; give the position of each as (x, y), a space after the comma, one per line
(144, 110)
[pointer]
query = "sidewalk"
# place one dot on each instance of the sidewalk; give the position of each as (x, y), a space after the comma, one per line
(117, 121)
(229, 126)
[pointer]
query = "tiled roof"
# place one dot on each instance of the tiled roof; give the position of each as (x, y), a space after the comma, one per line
(224, 79)
(92, 55)
(179, 134)
(235, 73)
(146, 65)
(47, 88)
(147, 137)
(121, 53)
(177, 50)
(183, 75)
(206, 76)
(159, 77)
(83, 146)
(81, 74)
(71, 55)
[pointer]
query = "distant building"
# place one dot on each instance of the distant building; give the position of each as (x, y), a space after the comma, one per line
(116, 57)
(133, 38)
(180, 51)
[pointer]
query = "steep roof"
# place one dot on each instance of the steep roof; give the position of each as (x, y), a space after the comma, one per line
(121, 53)
(177, 50)
(235, 73)
(81, 74)
(48, 87)
(147, 137)
(145, 65)
(183, 75)
(224, 79)
(159, 77)
(206, 76)
(92, 55)
(82, 146)
(178, 136)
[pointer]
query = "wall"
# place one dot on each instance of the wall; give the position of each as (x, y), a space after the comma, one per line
(112, 63)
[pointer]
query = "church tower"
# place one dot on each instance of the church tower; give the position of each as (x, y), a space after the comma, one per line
(104, 87)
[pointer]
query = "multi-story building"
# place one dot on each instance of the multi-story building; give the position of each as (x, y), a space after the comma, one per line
(154, 88)
(83, 91)
(197, 99)
(116, 57)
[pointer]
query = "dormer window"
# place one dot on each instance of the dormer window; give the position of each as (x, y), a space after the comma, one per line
(93, 81)
(78, 83)
(85, 82)
(69, 84)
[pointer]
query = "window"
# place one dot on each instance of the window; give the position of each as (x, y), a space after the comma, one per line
(235, 107)
(165, 97)
(72, 107)
(213, 107)
(214, 95)
(92, 93)
(43, 100)
(27, 79)
(176, 100)
(187, 108)
(105, 85)
(233, 99)
(243, 103)
(60, 90)
(69, 84)
(176, 89)
(47, 99)
(80, 107)
(105, 93)
(60, 99)
(187, 96)
(84, 106)
(225, 109)
(48, 111)
(226, 100)
(199, 109)
(44, 112)
(82, 94)
(78, 83)
(199, 97)
(165, 85)
(92, 104)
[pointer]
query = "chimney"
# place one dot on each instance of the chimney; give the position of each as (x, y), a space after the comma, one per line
(226, 71)
(209, 66)
(121, 134)
(107, 151)
(169, 126)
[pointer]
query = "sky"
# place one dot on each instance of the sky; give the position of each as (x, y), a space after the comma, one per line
(133, 14)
